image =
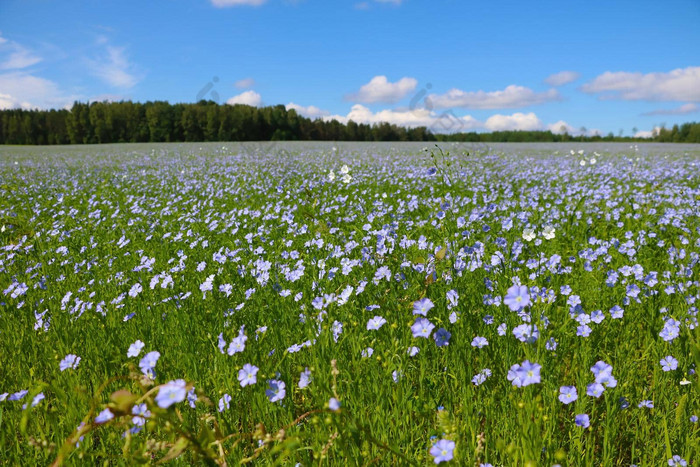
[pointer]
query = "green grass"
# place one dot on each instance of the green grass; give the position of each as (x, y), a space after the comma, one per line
(144, 192)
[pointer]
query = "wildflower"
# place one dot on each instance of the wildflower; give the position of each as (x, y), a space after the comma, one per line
(104, 416)
(334, 404)
(422, 306)
(442, 451)
(529, 235)
(582, 420)
(375, 323)
(442, 337)
(148, 364)
(479, 342)
(70, 361)
(135, 349)
(171, 393)
(38, 398)
(669, 363)
(246, 375)
(331, 175)
(366, 353)
(517, 297)
(568, 394)
(548, 232)
(603, 374)
(304, 378)
(646, 403)
(413, 351)
(224, 403)
(277, 390)
(422, 328)
(529, 373)
(595, 390)
(677, 460)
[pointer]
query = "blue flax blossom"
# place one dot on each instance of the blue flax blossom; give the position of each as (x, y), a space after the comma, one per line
(171, 393)
(247, 375)
(224, 403)
(148, 364)
(304, 378)
(422, 306)
(582, 420)
(277, 390)
(442, 337)
(595, 390)
(422, 328)
(677, 460)
(479, 342)
(334, 404)
(375, 323)
(442, 451)
(646, 403)
(135, 349)
(669, 363)
(104, 416)
(517, 297)
(70, 361)
(603, 374)
(568, 394)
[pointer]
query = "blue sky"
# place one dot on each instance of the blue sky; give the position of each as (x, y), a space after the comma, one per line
(447, 64)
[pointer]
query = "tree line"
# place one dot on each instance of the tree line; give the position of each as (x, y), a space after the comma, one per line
(159, 121)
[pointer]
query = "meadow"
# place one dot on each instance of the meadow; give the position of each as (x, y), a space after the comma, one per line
(350, 304)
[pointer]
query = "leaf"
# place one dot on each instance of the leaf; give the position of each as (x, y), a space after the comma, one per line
(175, 451)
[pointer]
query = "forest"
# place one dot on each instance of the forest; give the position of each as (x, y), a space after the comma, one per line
(160, 121)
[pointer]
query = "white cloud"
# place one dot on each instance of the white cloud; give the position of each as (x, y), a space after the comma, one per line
(511, 97)
(228, 3)
(114, 68)
(682, 110)
(517, 121)
(380, 89)
(9, 102)
(562, 78)
(311, 111)
(14, 56)
(644, 134)
(562, 127)
(244, 83)
(681, 84)
(23, 90)
(445, 122)
(251, 98)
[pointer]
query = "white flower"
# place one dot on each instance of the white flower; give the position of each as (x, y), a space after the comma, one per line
(529, 235)
(331, 175)
(346, 178)
(582, 163)
(592, 161)
(548, 232)
(344, 169)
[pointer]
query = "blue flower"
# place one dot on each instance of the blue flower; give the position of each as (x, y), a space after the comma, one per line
(246, 375)
(422, 328)
(582, 420)
(442, 451)
(442, 337)
(148, 364)
(422, 306)
(334, 404)
(70, 361)
(517, 297)
(375, 323)
(479, 342)
(224, 403)
(304, 378)
(277, 390)
(171, 393)
(669, 363)
(104, 416)
(568, 394)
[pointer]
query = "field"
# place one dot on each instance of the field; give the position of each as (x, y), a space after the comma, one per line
(350, 304)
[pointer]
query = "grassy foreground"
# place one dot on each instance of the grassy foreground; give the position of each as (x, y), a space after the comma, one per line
(350, 305)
